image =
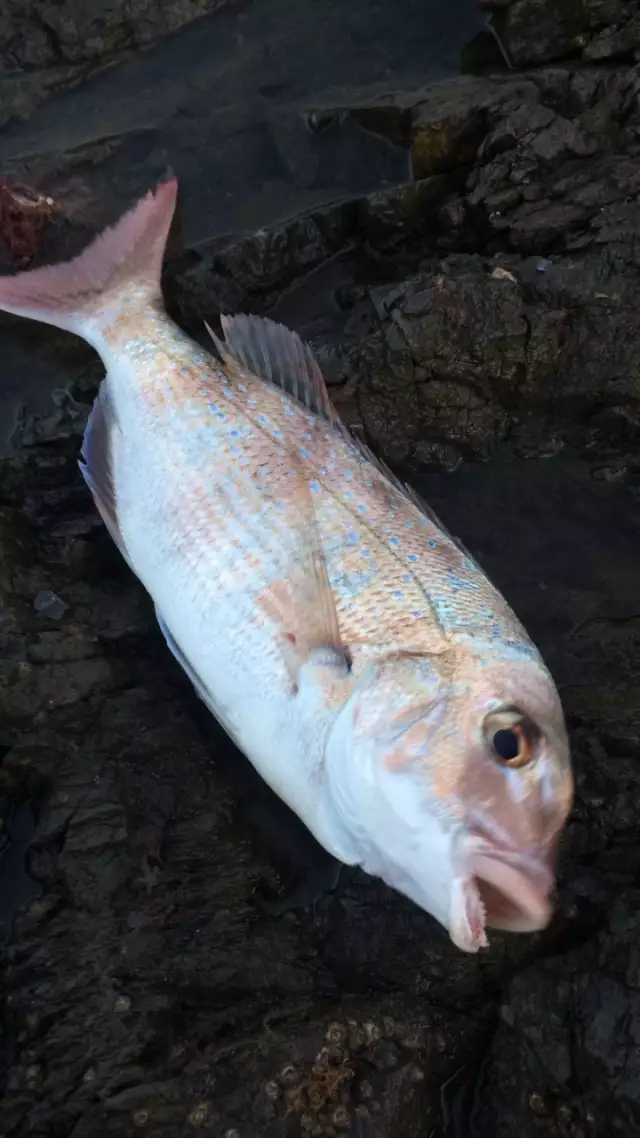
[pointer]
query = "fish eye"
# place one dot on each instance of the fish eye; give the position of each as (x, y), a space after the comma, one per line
(510, 739)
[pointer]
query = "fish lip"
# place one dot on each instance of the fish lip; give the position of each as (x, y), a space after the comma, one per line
(513, 887)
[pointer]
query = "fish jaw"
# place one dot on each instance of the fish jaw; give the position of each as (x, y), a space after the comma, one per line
(462, 881)
(497, 887)
(465, 884)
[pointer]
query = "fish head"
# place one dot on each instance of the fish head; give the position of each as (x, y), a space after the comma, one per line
(452, 776)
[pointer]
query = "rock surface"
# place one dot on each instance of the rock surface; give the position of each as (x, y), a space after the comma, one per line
(463, 257)
(54, 33)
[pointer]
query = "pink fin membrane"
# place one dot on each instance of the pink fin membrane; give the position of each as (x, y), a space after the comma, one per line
(68, 293)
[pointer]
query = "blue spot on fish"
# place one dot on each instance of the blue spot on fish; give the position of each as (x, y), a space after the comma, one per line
(362, 509)
(412, 557)
(459, 585)
(262, 418)
(432, 544)
(352, 537)
(394, 541)
(314, 487)
(228, 393)
(305, 453)
(407, 577)
(398, 593)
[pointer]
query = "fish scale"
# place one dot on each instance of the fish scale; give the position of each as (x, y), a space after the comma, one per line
(399, 582)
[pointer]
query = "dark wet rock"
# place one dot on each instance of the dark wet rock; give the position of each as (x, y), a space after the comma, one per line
(18, 553)
(49, 605)
(470, 352)
(615, 41)
(545, 164)
(52, 34)
(579, 1074)
(346, 1016)
(49, 47)
(536, 31)
(261, 120)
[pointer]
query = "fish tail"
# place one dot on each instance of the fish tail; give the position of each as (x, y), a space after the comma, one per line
(124, 259)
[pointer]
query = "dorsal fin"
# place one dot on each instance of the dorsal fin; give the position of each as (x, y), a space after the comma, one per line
(275, 353)
(416, 499)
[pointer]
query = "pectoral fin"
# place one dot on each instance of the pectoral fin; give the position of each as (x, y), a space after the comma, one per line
(278, 536)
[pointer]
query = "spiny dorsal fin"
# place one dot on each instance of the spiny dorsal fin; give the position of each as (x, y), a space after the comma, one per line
(403, 488)
(276, 354)
(424, 508)
(416, 499)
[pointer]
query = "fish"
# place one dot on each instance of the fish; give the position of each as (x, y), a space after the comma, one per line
(349, 644)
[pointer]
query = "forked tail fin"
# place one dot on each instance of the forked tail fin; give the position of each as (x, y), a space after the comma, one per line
(127, 256)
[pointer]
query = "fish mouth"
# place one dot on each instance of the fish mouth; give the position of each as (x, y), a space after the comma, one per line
(499, 888)
(514, 890)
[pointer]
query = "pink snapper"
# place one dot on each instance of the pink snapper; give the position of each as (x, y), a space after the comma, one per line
(348, 644)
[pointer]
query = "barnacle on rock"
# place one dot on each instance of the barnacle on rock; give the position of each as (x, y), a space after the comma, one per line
(317, 1091)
